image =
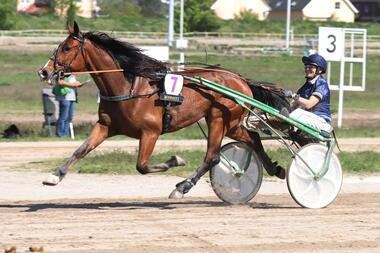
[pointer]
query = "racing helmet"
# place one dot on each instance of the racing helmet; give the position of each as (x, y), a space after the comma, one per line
(316, 60)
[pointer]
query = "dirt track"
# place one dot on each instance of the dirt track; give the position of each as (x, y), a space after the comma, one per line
(92, 213)
(270, 224)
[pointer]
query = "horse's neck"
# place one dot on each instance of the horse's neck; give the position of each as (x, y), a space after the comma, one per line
(109, 84)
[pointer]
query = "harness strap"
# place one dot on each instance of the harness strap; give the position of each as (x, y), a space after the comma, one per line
(127, 97)
(336, 140)
(116, 98)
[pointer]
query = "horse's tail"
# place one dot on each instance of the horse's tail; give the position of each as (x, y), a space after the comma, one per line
(269, 94)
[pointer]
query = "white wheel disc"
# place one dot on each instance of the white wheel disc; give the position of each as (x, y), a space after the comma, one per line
(304, 188)
(232, 187)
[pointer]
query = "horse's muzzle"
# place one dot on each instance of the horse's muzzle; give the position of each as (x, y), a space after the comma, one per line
(43, 74)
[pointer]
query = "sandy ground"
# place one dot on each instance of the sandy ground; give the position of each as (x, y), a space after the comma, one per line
(110, 213)
(272, 223)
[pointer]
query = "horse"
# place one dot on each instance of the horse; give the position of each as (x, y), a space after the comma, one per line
(130, 82)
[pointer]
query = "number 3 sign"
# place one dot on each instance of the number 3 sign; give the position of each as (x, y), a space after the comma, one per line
(173, 84)
(331, 43)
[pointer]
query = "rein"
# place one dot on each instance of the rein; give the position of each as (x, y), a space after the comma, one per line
(214, 70)
(94, 71)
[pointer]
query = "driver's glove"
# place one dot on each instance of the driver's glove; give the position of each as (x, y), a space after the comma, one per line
(287, 93)
(290, 94)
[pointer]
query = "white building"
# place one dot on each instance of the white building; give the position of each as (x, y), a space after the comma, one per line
(87, 8)
(315, 10)
(229, 9)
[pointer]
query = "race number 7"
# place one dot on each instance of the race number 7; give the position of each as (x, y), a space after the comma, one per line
(173, 84)
(174, 78)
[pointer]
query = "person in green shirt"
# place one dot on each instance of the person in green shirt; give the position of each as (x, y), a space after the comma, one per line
(66, 98)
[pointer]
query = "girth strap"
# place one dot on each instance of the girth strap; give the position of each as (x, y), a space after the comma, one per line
(129, 96)
(117, 98)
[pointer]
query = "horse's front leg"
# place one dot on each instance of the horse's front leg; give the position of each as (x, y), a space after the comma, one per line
(146, 146)
(98, 134)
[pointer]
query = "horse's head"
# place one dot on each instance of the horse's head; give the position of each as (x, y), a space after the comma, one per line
(68, 57)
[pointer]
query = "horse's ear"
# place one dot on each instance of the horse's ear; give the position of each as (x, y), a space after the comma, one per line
(70, 29)
(76, 28)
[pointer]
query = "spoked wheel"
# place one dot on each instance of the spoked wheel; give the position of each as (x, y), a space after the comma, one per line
(237, 178)
(307, 190)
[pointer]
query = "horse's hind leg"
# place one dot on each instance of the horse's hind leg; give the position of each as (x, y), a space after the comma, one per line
(185, 186)
(215, 137)
(98, 134)
(253, 139)
(147, 143)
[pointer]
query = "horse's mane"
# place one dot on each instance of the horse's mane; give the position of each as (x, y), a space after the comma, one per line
(129, 57)
(269, 94)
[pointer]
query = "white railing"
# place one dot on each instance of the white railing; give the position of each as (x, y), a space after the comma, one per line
(152, 35)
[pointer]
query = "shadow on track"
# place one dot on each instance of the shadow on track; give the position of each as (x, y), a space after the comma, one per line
(133, 205)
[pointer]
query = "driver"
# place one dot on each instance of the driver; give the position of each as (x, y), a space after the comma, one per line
(313, 98)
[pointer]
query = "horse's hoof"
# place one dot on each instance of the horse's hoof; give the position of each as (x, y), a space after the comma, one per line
(176, 194)
(51, 180)
(179, 160)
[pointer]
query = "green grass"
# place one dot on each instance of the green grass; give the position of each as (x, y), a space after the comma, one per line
(122, 23)
(20, 87)
(287, 71)
(34, 132)
(358, 132)
(124, 163)
(351, 162)
(360, 162)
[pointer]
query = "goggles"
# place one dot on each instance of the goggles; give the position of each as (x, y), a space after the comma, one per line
(310, 66)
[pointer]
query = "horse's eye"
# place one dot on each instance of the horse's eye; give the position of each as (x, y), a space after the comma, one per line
(66, 49)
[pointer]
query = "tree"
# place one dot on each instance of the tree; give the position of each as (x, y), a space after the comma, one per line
(152, 7)
(71, 12)
(67, 7)
(246, 17)
(198, 16)
(120, 8)
(8, 15)
(59, 6)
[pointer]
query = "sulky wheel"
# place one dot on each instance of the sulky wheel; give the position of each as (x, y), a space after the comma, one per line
(307, 190)
(237, 178)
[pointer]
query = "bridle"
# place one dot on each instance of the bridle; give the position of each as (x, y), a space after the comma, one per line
(67, 67)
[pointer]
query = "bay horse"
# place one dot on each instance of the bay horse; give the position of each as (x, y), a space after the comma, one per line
(130, 103)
